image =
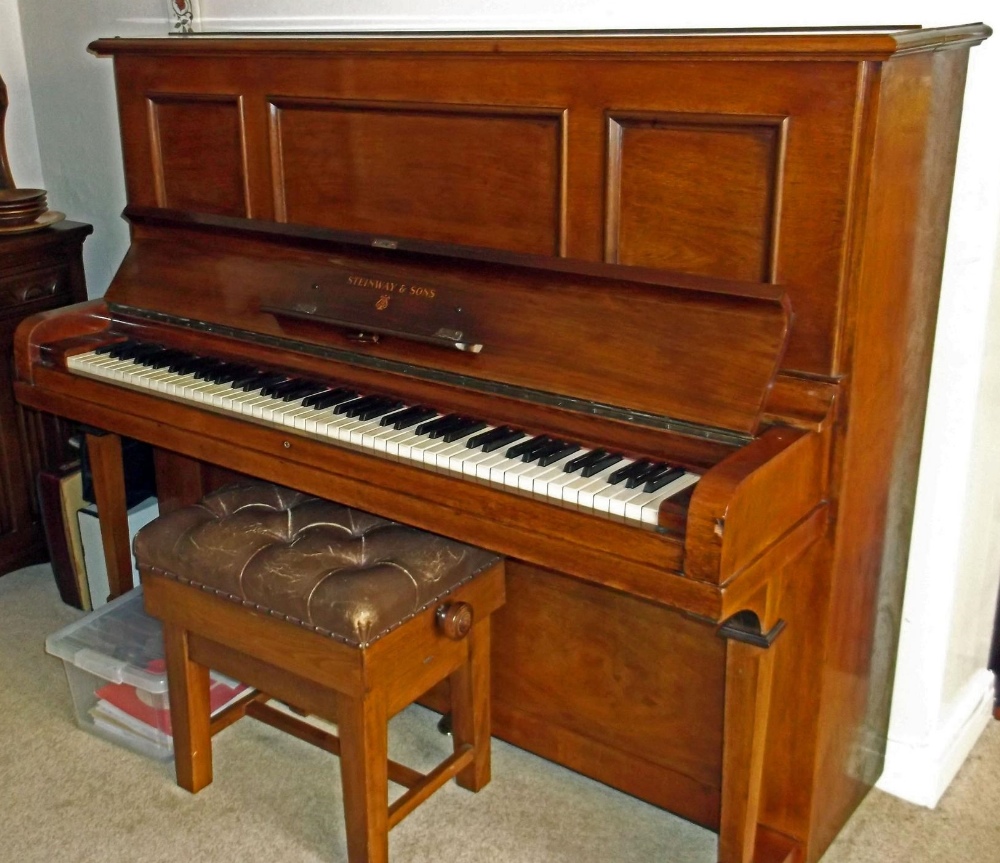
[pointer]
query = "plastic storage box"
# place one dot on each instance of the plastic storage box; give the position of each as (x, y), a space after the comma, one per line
(117, 677)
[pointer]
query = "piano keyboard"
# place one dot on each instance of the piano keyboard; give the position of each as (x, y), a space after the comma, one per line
(595, 480)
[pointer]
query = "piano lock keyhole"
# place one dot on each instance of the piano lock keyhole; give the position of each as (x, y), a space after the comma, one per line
(287, 444)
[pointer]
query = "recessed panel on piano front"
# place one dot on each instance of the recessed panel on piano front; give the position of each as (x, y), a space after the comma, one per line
(199, 161)
(433, 171)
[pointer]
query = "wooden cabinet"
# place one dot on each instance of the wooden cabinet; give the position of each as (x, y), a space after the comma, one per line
(38, 271)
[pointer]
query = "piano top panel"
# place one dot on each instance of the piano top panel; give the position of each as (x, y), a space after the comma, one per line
(874, 41)
(589, 337)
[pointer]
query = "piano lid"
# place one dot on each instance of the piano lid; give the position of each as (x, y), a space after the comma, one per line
(577, 335)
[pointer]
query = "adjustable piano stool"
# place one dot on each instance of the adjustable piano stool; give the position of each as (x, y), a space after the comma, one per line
(340, 614)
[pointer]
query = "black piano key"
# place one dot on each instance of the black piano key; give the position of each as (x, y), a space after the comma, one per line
(539, 452)
(149, 359)
(584, 461)
(637, 479)
(241, 381)
(276, 388)
(123, 350)
(165, 357)
(293, 388)
(603, 463)
(229, 373)
(663, 478)
(208, 371)
(468, 428)
(503, 440)
(408, 417)
(454, 422)
(490, 436)
(328, 400)
(147, 356)
(145, 352)
(260, 380)
(353, 408)
(554, 455)
(553, 445)
(623, 473)
(377, 410)
(241, 371)
(529, 446)
(309, 388)
(185, 364)
(201, 364)
(436, 427)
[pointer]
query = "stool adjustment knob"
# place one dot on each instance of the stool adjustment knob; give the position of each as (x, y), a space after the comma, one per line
(454, 619)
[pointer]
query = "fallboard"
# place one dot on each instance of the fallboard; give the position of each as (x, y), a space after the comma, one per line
(576, 335)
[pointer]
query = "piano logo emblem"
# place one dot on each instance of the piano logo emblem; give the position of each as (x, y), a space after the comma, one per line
(383, 303)
(387, 287)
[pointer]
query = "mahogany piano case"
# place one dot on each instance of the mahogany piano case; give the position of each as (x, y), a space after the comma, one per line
(716, 254)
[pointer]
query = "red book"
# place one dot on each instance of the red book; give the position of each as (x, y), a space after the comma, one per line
(154, 708)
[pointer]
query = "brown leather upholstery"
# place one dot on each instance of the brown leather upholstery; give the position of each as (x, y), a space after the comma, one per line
(339, 571)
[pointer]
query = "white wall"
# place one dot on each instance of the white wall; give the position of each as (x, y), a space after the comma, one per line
(76, 118)
(942, 690)
(22, 144)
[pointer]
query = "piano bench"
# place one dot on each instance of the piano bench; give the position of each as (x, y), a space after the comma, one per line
(335, 612)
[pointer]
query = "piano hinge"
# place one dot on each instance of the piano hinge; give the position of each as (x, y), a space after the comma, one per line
(745, 626)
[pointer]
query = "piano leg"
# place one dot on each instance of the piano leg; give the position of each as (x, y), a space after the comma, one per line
(105, 452)
(180, 481)
(749, 667)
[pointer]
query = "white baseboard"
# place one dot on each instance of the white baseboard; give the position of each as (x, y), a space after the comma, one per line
(920, 771)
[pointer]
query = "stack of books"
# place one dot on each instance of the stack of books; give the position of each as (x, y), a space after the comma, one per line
(122, 709)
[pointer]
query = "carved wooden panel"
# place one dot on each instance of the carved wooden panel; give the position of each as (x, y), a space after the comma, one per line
(198, 153)
(694, 193)
(476, 175)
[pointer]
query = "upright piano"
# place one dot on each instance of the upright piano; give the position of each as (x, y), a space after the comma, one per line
(650, 314)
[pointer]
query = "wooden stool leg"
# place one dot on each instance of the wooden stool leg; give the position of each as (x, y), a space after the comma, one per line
(364, 770)
(190, 712)
(470, 707)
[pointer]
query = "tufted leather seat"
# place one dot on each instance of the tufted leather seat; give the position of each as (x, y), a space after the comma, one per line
(339, 571)
(337, 613)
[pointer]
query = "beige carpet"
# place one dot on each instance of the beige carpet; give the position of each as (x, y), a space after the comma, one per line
(69, 796)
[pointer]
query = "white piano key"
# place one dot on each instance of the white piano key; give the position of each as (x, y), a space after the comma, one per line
(591, 494)
(426, 451)
(586, 493)
(619, 501)
(526, 480)
(392, 444)
(550, 483)
(647, 508)
(509, 473)
(466, 463)
(452, 457)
